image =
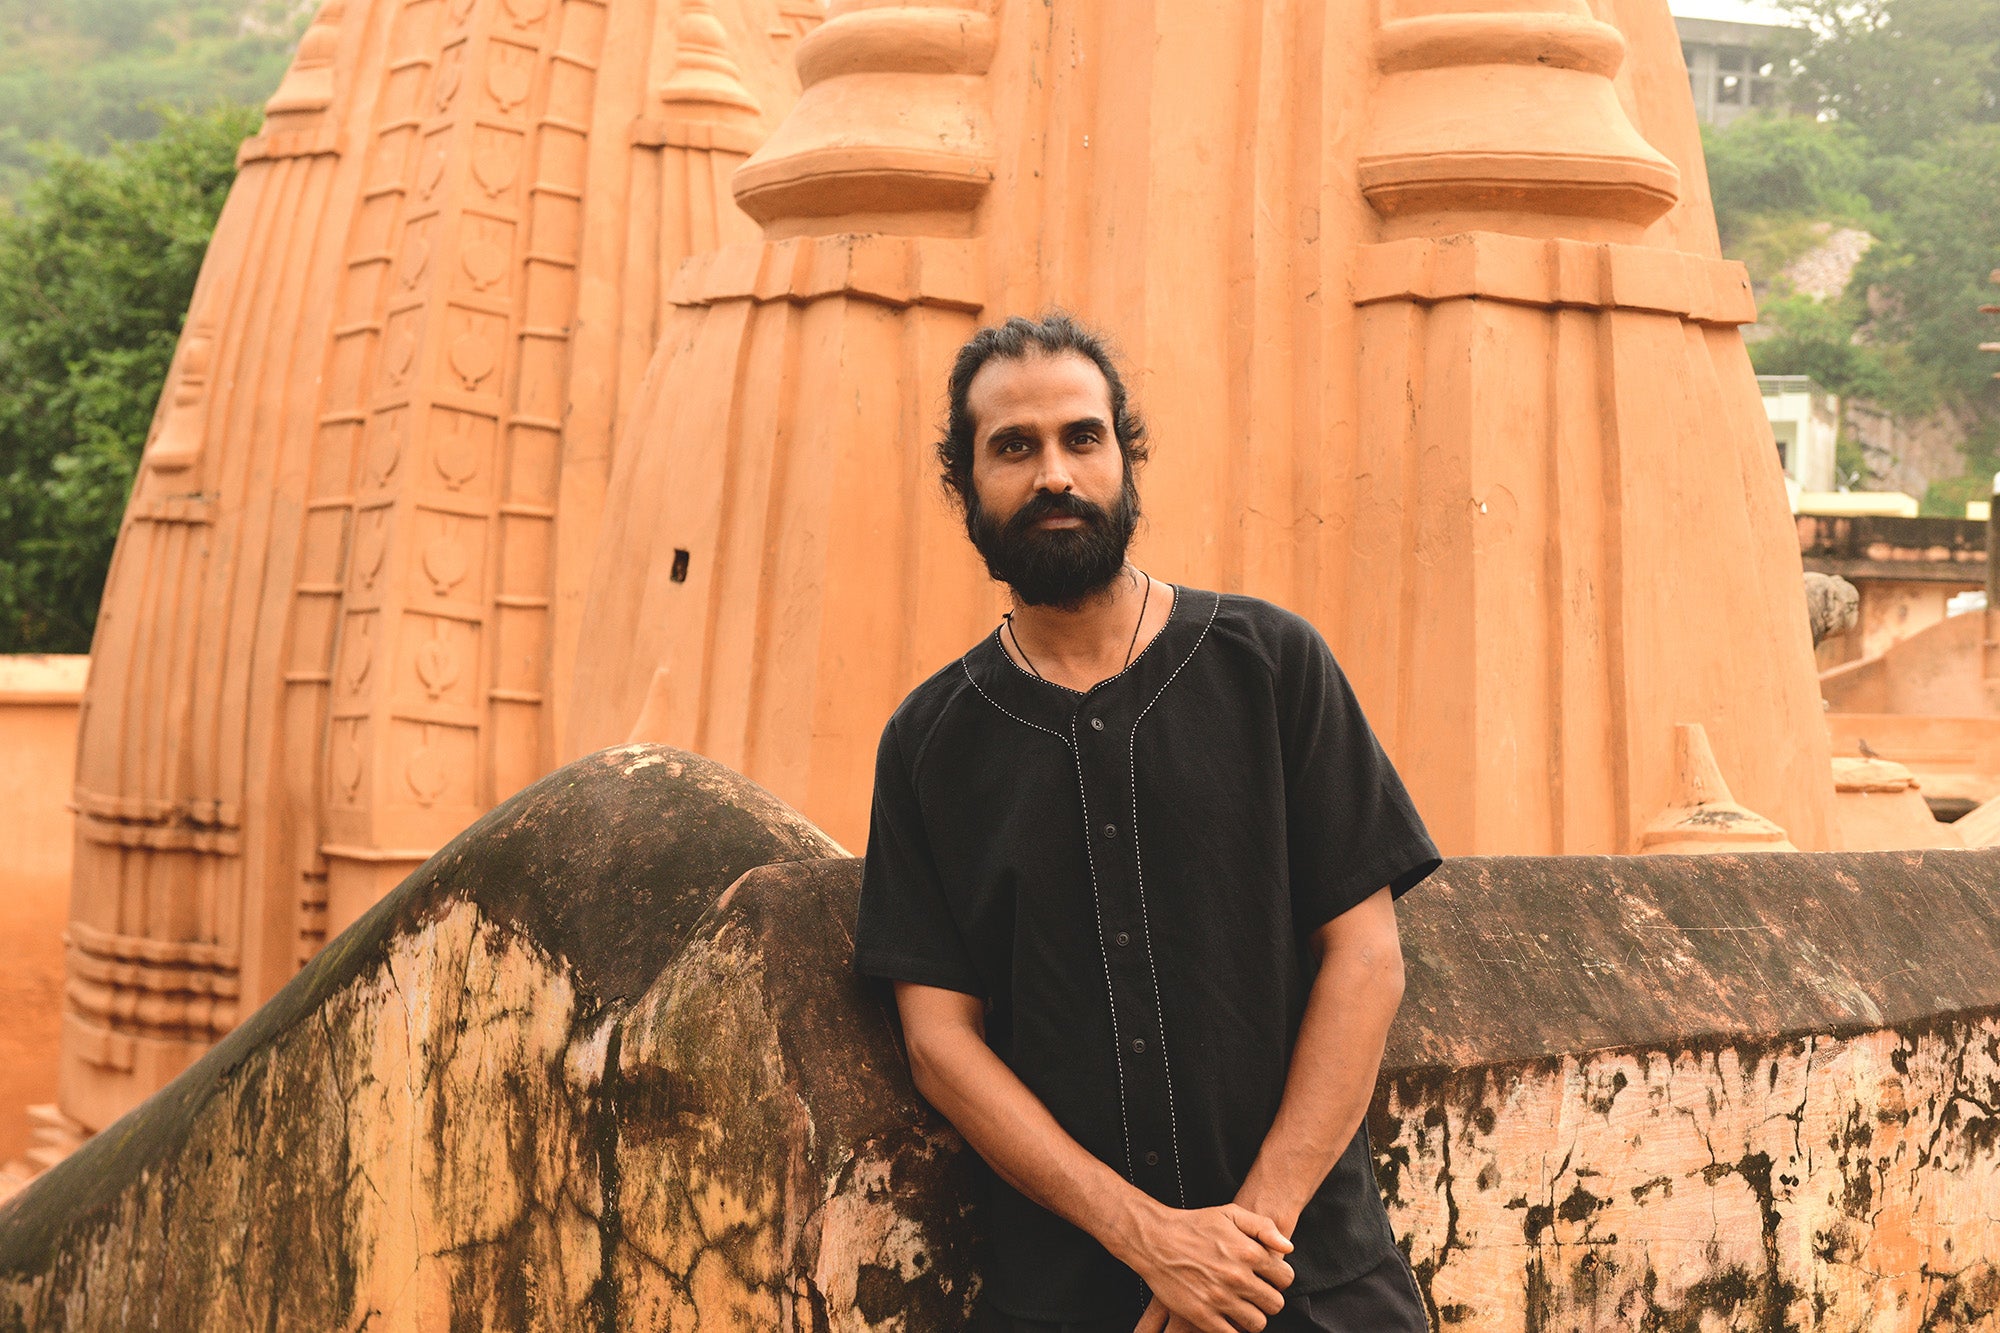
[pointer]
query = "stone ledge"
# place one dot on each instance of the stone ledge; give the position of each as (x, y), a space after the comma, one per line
(602, 1061)
(1555, 274)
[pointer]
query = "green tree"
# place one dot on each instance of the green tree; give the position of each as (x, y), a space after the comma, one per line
(1899, 133)
(1817, 338)
(96, 272)
(1902, 71)
(1786, 167)
(90, 73)
(1931, 274)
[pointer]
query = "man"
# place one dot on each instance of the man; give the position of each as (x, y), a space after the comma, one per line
(1131, 868)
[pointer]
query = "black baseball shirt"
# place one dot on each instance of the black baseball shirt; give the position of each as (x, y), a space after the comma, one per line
(1129, 877)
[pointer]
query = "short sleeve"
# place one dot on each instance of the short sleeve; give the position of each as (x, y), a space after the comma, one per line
(1351, 828)
(905, 930)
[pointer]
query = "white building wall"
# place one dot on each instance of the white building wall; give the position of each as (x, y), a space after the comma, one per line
(1805, 421)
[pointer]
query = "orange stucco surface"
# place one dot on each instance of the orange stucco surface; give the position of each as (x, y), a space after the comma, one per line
(340, 617)
(1426, 306)
(1891, 611)
(38, 714)
(1905, 570)
(526, 404)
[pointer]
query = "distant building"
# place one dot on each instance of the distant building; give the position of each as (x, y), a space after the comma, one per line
(1805, 419)
(1732, 49)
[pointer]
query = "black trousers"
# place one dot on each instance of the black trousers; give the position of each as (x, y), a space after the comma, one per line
(1382, 1300)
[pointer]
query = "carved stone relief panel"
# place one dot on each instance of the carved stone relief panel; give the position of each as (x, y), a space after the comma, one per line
(439, 673)
(461, 449)
(448, 553)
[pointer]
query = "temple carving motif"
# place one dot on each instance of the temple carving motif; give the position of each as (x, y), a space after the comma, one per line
(366, 511)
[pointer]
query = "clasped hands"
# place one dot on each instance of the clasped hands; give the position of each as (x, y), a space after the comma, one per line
(1213, 1270)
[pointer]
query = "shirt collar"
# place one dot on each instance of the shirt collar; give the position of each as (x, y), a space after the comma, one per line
(1050, 707)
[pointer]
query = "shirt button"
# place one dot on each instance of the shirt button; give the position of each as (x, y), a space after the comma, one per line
(1138, 1045)
(1123, 939)
(1110, 830)
(1097, 724)
(1152, 1159)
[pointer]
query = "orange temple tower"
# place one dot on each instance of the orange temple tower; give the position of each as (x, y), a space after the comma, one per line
(463, 470)
(340, 619)
(1427, 312)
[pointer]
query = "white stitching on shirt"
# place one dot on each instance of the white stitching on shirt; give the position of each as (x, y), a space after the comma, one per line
(1084, 694)
(1097, 905)
(1017, 717)
(1145, 929)
(1110, 992)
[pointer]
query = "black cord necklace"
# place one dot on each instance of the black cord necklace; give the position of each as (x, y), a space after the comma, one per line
(1008, 616)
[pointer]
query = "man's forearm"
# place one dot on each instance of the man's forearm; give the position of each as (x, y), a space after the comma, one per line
(1015, 1133)
(1332, 1077)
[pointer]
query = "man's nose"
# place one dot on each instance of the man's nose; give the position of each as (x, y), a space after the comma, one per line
(1053, 474)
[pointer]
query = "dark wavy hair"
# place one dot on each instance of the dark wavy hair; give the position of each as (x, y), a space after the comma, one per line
(1055, 333)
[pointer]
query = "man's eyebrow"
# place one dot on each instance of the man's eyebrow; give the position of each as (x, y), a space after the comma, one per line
(1085, 423)
(1011, 431)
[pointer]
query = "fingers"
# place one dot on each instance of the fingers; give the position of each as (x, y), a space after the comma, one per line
(1212, 1322)
(1260, 1229)
(1248, 1317)
(1272, 1269)
(1267, 1299)
(1154, 1320)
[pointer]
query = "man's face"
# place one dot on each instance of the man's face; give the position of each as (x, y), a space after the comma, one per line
(1052, 506)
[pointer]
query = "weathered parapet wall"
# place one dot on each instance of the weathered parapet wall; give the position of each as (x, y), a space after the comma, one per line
(583, 1071)
(1757, 1092)
(417, 1131)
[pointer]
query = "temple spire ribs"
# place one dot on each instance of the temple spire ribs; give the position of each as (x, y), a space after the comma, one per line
(343, 604)
(172, 935)
(1562, 459)
(772, 518)
(498, 430)
(701, 123)
(1427, 312)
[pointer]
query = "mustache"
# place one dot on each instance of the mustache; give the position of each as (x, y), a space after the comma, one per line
(1055, 567)
(1055, 504)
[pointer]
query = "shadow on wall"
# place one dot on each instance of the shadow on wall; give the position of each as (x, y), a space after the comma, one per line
(602, 1060)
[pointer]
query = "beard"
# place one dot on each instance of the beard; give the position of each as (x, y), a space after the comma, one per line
(1061, 567)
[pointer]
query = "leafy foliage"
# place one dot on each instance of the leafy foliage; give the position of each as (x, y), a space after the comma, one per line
(1932, 273)
(1816, 338)
(1791, 169)
(96, 272)
(1903, 72)
(84, 74)
(1901, 137)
